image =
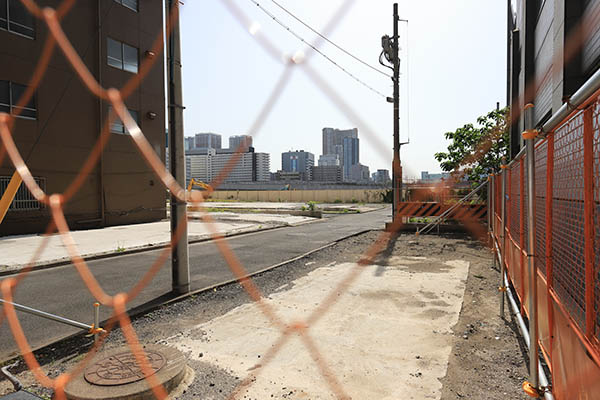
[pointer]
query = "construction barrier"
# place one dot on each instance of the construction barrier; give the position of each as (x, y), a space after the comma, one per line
(566, 247)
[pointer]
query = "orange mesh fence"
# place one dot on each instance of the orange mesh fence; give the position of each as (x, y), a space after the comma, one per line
(56, 202)
(569, 312)
(567, 254)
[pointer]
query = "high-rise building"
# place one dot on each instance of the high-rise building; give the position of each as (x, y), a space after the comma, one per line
(344, 144)
(335, 137)
(382, 176)
(208, 141)
(351, 155)
(298, 161)
(262, 167)
(245, 141)
(121, 188)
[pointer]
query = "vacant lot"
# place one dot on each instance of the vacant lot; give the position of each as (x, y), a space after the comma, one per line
(419, 322)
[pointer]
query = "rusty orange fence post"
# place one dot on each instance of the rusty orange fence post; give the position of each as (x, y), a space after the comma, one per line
(522, 229)
(502, 287)
(588, 183)
(549, 230)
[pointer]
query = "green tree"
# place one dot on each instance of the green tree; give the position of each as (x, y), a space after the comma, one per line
(477, 150)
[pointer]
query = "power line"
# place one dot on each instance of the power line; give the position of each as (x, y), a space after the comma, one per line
(329, 41)
(300, 38)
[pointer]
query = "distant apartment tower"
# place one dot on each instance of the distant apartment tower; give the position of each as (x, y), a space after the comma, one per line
(343, 143)
(335, 137)
(382, 176)
(245, 141)
(328, 160)
(327, 173)
(208, 141)
(262, 167)
(120, 188)
(207, 164)
(298, 161)
(351, 155)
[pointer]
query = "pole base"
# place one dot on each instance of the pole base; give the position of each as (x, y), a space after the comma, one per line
(531, 391)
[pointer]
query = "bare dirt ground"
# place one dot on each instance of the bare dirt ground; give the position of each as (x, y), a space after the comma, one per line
(486, 360)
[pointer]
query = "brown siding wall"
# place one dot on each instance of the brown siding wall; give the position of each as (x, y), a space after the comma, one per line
(58, 143)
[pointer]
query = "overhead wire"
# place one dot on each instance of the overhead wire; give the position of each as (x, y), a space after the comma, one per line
(329, 41)
(300, 38)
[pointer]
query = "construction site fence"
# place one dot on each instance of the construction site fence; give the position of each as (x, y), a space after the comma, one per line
(295, 196)
(566, 249)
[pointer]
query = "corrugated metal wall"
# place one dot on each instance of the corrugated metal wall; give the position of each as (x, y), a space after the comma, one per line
(544, 53)
(591, 47)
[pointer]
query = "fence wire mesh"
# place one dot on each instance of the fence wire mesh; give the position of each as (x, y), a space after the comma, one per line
(540, 206)
(567, 243)
(57, 39)
(596, 141)
(568, 191)
(566, 248)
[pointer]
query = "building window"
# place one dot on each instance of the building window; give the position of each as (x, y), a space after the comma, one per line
(122, 56)
(117, 125)
(10, 94)
(131, 4)
(15, 18)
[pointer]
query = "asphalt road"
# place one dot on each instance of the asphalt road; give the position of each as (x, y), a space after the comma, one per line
(60, 290)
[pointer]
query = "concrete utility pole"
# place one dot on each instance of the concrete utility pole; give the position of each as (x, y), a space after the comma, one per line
(396, 164)
(180, 266)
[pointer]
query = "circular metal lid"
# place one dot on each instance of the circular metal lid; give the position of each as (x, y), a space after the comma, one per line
(121, 369)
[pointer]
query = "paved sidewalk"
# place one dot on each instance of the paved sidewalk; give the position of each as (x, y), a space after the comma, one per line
(16, 251)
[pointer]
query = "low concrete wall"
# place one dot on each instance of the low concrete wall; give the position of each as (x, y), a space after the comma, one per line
(302, 196)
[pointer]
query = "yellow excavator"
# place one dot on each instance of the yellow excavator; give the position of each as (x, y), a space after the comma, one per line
(201, 184)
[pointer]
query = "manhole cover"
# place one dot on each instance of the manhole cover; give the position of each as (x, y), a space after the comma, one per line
(121, 368)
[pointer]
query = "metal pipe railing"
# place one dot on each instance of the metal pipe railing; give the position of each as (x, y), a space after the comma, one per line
(95, 329)
(529, 135)
(427, 228)
(523, 328)
(582, 95)
(543, 380)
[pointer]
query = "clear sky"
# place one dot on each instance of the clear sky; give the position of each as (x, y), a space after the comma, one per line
(456, 72)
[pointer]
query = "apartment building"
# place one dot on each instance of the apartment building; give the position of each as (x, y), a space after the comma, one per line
(58, 128)
(207, 165)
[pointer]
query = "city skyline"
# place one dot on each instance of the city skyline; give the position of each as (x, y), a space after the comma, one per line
(235, 139)
(221, 96)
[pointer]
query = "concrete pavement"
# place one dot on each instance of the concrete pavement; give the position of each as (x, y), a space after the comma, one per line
(388, 336)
